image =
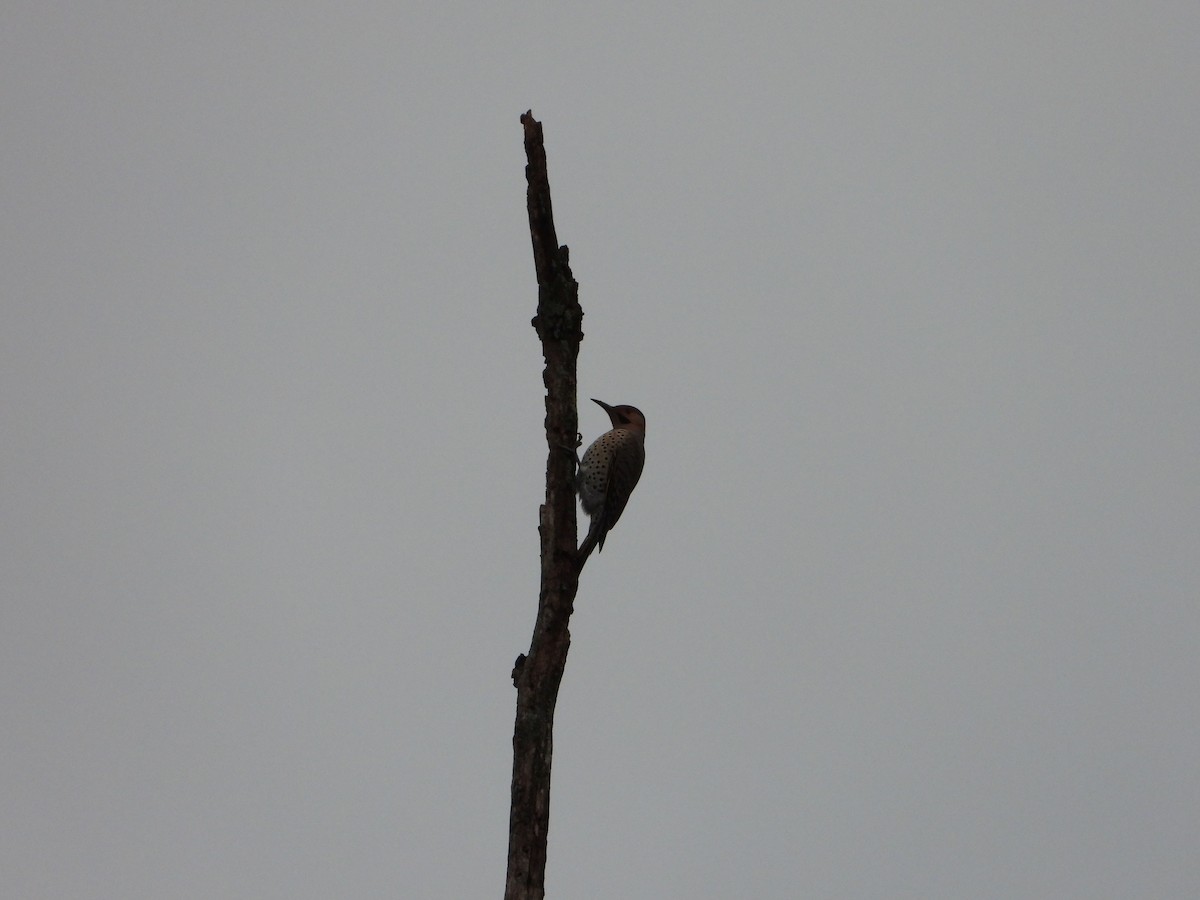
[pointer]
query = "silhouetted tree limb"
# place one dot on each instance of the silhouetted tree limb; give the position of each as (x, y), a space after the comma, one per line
(537, 675)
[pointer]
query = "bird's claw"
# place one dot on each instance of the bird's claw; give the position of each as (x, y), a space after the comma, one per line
(573, 449)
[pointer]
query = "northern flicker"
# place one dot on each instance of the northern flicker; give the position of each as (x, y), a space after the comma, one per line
(609, 471)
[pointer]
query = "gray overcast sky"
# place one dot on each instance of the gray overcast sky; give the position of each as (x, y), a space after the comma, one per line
(905, 604)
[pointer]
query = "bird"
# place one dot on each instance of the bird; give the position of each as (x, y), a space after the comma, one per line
(609, 471)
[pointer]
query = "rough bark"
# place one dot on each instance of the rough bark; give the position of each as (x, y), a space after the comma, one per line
(538, 673)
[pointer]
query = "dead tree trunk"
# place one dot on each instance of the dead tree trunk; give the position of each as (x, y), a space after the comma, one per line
(538, 674)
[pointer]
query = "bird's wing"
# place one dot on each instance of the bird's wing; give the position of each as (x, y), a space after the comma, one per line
(624, 473)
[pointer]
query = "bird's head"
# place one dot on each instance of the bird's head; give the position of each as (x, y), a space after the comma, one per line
(628, 417)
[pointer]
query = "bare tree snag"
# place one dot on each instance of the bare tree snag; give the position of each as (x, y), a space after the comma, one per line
(537, 675)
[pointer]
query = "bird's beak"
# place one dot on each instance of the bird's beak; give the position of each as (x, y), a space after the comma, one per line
(608, 409)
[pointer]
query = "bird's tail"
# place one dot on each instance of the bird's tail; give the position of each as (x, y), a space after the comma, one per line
(594, 540)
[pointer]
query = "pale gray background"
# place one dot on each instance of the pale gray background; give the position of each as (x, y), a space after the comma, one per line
(906, 602)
